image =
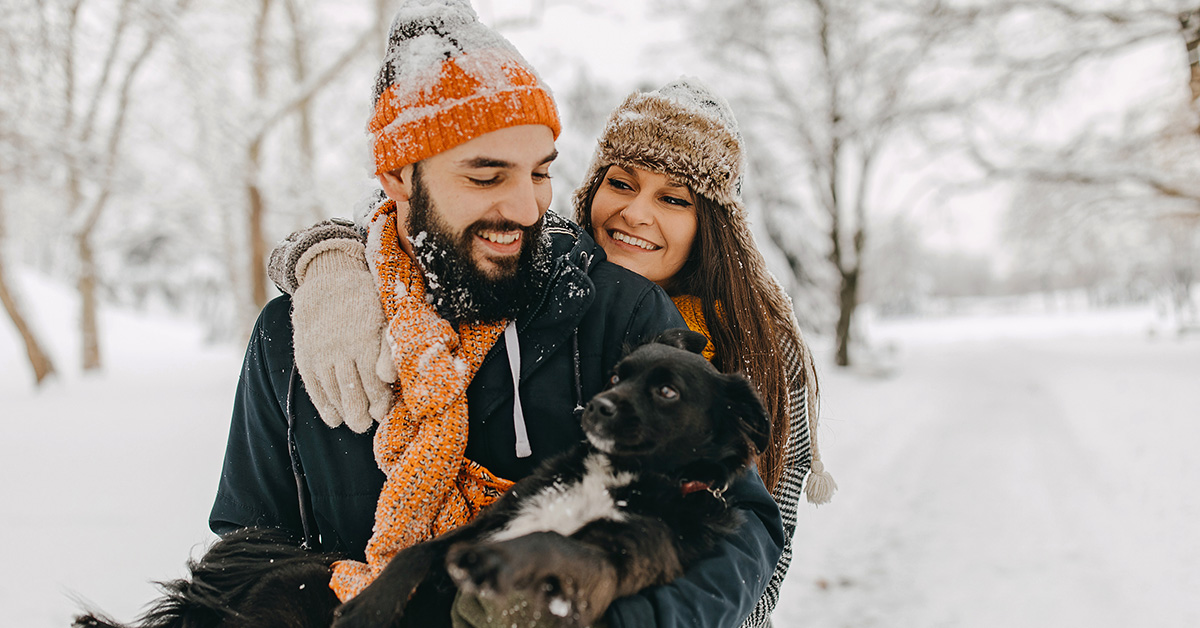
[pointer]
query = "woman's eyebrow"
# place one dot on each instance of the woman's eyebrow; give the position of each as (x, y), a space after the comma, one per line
(677, 183)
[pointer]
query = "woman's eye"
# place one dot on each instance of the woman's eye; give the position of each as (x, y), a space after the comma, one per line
(666, 392)
(674, 200)
(619, 184)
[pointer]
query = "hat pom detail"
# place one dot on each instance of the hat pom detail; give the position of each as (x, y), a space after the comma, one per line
(820, 487)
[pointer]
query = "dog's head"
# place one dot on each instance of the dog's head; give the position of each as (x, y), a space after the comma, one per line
(668, 410)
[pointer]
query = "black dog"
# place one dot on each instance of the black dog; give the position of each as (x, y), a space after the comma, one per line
(632, 507)
(251, 578)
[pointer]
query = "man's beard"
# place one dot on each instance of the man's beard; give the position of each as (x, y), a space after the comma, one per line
(459, 289)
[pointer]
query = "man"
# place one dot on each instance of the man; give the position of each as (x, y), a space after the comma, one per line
(477, 283)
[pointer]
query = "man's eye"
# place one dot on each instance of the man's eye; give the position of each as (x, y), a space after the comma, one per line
(484, 182)
(666, 392)
(541, 176)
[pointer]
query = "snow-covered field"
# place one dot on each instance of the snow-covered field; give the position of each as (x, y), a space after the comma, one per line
(1010, 471)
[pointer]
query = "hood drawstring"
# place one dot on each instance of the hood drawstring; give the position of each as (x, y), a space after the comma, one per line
(513, 345)
(310, 538)
(585, 261)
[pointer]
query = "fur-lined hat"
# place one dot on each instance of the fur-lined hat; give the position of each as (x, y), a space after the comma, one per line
(447, 79)
(683, 130)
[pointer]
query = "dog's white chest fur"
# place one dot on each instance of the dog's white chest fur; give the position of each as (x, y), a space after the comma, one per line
(564, 508)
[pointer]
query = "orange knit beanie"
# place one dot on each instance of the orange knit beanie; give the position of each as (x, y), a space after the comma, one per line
(447, 79)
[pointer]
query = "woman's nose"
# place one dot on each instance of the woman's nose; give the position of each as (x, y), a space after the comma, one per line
(639, 211)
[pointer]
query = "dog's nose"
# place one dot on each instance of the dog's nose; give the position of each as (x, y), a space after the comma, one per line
(602, 406)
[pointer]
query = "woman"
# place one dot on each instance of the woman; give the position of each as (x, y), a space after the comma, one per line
(662, 198)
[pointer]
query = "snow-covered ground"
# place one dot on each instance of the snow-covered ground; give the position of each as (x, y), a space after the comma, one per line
(1010, 471)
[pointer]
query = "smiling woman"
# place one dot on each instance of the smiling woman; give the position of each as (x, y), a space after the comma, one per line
(645, 221)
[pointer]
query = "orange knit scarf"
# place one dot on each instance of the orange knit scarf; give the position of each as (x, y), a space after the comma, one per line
(430, 487)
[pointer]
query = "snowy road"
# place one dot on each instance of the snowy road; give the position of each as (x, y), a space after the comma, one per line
(1004, 482)
(1008, 483)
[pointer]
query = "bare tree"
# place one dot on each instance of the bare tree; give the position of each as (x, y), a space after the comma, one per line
(1189, 28)
(39, 360)
(832, 85)
(295, 101)
(1137, 173)
(95, 110)
(15, 159)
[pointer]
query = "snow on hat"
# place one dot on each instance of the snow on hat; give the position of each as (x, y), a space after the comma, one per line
(447, 79)
(682, 129)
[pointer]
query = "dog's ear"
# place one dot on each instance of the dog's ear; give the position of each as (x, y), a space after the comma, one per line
(683, 338)
(744, 402)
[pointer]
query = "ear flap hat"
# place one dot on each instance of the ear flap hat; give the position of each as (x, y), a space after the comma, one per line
(683, 130)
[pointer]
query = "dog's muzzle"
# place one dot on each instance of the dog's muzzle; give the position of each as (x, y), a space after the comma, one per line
(597, 419)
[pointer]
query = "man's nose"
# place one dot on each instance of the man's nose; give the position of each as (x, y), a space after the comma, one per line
(521, 204)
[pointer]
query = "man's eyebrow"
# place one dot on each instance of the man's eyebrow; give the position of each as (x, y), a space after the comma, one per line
(485, 162)
(492, 162)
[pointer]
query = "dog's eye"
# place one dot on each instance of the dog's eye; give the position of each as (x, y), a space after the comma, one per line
(614, 379)
(666, 392)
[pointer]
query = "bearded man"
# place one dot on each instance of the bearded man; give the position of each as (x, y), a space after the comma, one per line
(501, 321)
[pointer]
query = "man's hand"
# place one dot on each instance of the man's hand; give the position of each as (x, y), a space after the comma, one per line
(341, 350)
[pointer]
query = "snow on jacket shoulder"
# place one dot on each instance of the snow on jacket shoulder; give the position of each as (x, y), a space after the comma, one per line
(613, 310)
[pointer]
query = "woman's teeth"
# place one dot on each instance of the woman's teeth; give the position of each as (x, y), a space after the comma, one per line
(638, 242)
(500, 238)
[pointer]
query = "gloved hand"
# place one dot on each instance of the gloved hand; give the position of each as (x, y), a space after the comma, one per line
(341, 350)
(483, 611)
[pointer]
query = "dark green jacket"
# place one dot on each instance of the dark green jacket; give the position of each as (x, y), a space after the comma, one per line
(612, 308)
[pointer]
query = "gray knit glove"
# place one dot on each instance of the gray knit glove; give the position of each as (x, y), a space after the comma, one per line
(284, 257)
(339, 342)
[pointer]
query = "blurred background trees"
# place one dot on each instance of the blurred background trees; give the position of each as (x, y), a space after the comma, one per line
(151, 152)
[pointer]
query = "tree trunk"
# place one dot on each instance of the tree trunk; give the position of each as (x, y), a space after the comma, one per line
(255, 203)
(43, 367)
(1190, 26)
(847, 304)
(256, 216)
(87, 302)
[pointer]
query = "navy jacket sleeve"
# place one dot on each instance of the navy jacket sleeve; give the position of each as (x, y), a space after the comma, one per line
(257, 487)
(720, 590)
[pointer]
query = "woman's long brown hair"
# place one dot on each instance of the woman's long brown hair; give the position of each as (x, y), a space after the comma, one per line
(755, 326)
